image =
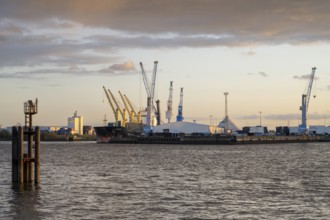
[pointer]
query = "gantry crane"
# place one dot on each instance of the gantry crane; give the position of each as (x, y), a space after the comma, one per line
(150, 89)
(305, 102)
(179, 117)
(169, 112)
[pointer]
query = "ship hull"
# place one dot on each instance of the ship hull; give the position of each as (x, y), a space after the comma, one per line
(105, 133)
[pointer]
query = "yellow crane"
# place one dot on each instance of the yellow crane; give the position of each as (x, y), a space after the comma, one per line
(114, 110)
(130, 113)
(122, 112)
(137, 115)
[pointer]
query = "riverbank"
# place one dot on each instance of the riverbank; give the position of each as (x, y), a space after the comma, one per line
(213, 140)
(45, 136)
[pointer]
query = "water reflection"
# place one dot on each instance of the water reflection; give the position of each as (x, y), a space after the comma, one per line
(25, 201)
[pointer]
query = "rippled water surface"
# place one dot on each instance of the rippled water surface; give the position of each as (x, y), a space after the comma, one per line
(93, 181)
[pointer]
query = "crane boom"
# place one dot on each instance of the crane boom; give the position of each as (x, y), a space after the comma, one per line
(130, 113)
(137, 115)
(145, 80)
(122, 113)
(309, 88)
(115, 113)
(153, 85)
(150, 89)
(305, 103)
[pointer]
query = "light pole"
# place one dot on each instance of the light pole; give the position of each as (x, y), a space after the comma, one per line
(260, 118)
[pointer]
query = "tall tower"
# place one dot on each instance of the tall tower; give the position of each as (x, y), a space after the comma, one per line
(179, 117)
(226, 123)
(226, 111)
(169, 113)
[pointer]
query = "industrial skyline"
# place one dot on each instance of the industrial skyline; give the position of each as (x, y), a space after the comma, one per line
(261, 52)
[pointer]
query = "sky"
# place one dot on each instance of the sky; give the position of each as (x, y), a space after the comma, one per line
(260, 51)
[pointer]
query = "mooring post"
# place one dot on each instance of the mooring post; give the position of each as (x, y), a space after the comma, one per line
(20, 146)
(30, 153)
(26, 168)
(37, 156)
(22, 163)
(14, 155)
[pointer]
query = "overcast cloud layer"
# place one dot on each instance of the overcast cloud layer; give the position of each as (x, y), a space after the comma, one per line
(66, 33)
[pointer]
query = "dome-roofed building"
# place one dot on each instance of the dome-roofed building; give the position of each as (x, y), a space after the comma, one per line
(188, 128)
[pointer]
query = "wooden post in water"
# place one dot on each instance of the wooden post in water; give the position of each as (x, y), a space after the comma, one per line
(30, 153)
(20, 146)
(37, 156)
(14, 154)
(22, 163)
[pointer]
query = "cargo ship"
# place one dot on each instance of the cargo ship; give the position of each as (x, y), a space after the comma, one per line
(133, 134)
(105, 134)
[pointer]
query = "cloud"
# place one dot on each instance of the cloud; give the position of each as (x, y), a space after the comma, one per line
(263, 74)
(37, 33)
(75, 67)
(248, 53)
(126, 66)
(74, 70)
(305, 77)
(121, 67)
(258, 21)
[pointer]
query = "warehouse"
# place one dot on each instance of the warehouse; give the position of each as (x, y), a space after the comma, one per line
(187, 128)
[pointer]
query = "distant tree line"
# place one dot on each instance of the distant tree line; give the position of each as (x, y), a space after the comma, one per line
(5, 135)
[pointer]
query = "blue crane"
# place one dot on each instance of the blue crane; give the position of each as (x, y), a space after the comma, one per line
(179, 117)
(304, 103)
(169, 113)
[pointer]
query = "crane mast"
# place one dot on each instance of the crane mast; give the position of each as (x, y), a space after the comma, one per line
(179, 117)
(305, 102)
(169, 112)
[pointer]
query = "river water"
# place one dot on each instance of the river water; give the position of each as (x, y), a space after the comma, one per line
(99, 181)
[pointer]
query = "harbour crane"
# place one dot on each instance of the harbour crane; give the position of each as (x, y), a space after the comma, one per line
(305, 102)
(137, 115)
(114, 110)
(179, 117)
(150, 89)
(130, 113)
(169, 112)
(122, 112)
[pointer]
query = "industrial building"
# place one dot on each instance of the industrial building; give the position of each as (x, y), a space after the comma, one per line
(255, 130)
(319, 130)
(76, 124)
(187, 128)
